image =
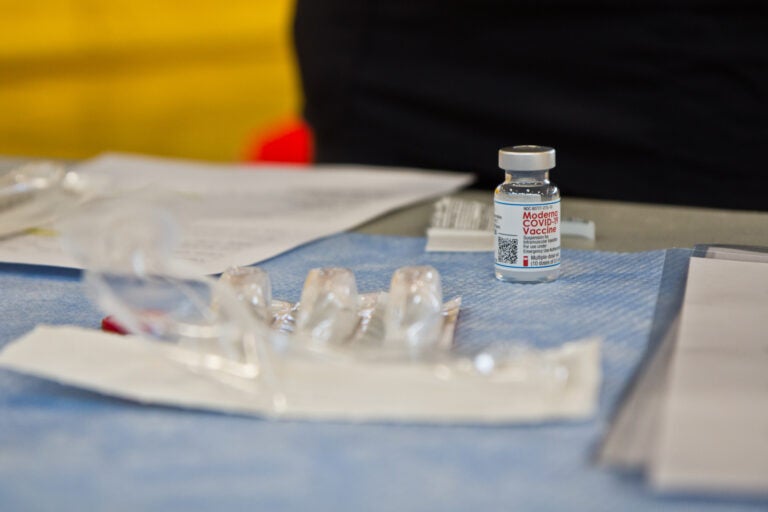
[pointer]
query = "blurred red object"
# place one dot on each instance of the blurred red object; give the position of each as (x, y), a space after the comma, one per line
(288, 141)
(109, 324)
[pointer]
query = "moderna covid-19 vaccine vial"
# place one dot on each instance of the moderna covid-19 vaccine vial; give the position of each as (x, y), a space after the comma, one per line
(527, 217)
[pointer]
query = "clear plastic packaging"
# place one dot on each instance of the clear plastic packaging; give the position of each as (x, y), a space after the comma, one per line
(337, 352)
(35, 194)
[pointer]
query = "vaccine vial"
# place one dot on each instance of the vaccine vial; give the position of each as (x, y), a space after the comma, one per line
(527, 217)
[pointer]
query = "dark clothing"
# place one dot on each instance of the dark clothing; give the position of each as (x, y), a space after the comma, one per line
(643, 101)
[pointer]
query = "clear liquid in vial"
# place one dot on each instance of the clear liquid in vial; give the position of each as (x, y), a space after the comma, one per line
(522, 188)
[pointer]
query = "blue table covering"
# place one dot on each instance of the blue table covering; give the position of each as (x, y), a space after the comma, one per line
(66, 449)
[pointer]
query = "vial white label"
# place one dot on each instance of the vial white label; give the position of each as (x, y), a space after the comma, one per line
(527, 235)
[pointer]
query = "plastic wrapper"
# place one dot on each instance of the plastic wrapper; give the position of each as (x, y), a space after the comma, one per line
(35, 194)
(337, 353)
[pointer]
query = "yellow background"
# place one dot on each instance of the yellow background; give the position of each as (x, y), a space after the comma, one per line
(187, 78)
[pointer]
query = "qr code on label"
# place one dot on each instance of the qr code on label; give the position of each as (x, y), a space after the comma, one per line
(507, 250)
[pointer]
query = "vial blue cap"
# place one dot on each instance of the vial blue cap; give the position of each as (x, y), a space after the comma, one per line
(526, 158)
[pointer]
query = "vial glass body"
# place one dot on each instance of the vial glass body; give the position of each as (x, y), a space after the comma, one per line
(529, 250)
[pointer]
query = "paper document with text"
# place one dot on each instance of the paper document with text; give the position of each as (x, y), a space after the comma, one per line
(243, 214)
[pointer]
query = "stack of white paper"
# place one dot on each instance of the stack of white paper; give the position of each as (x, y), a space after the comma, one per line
(697, 418)
(713, 433)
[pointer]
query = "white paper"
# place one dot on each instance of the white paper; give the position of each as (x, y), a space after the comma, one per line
(242, 214)
(134, 368)
(458, 240)
(713, 431)
(629, 442)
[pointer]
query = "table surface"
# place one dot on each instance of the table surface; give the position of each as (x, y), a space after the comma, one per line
(60, 447)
